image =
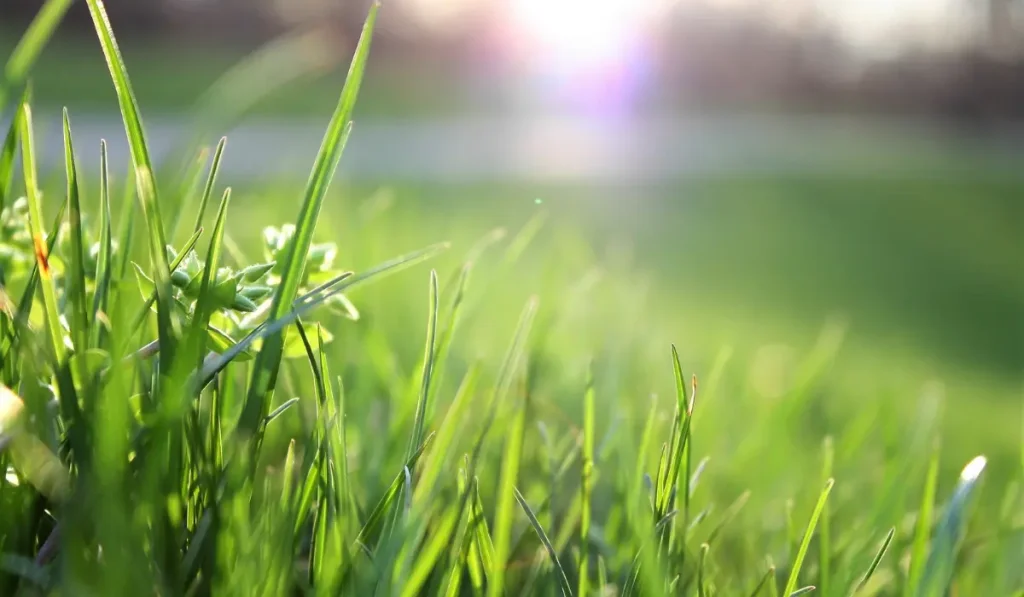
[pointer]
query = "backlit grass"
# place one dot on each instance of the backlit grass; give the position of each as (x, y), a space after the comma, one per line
(324, 407)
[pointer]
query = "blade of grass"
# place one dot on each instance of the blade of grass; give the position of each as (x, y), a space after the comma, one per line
(32, 42)
(375, 520)
(586, 484)
(104, 263)
(428, 369)
(825, 535)
(7, 155)
(146, 189)
(794, 573)
(211, 180)
(265, 370)
(563, 580)
(876, 560)
(506, 499)
(509, 366)
(76, 285)
(919, 548)
(939, 570)
(769, 576)
(28, 158)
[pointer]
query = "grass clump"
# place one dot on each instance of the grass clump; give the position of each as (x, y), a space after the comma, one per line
(210, 435)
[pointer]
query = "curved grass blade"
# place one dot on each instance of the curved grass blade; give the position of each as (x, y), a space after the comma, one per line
(145, 185)
(938, 572)
(563, 580)
(24, 56)
(802, 591)
(794, 573)
(876, 560)
(264, 372)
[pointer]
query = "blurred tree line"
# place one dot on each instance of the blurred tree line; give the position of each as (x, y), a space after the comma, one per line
(705, 57)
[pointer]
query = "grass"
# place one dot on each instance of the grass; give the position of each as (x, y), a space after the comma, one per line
(520, 418)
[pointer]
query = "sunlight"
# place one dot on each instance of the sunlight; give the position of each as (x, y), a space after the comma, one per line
(578, 34)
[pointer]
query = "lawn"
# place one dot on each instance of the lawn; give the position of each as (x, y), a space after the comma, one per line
(350, 407)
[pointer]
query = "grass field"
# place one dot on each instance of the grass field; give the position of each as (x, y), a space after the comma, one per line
(510, 411)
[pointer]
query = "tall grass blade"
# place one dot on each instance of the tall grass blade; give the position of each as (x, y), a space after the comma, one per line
(939, 570)
(104, 260)
(825, 534)
(428, 369)
(805, 543)
(265, 370)
(145, 185)
(42, 251)
(76, 287)
(506, 499)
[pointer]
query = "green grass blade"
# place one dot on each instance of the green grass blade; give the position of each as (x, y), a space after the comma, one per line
(586, 484)
(375, 521)
(702, 590)
(187, 189)
(919, 549)
(211, 180)
(265, 370)
(32, 42)
(824, 534)
(940, 568)
(802, 591)
(482, 550)
(28, 160)
(509, 366)
(506, 501)
(428, 369)
(876, 560)
(104, 265)
(805, 543)
(76, 286)
(205, 303)
(450, 426)
(563, 580)
(146, 188)
(769, 576)
(7, 154)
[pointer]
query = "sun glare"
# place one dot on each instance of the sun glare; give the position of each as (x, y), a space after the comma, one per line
(578, 34)
(588, 51)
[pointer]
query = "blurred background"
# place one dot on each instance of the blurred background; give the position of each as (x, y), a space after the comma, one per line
(770, 165)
